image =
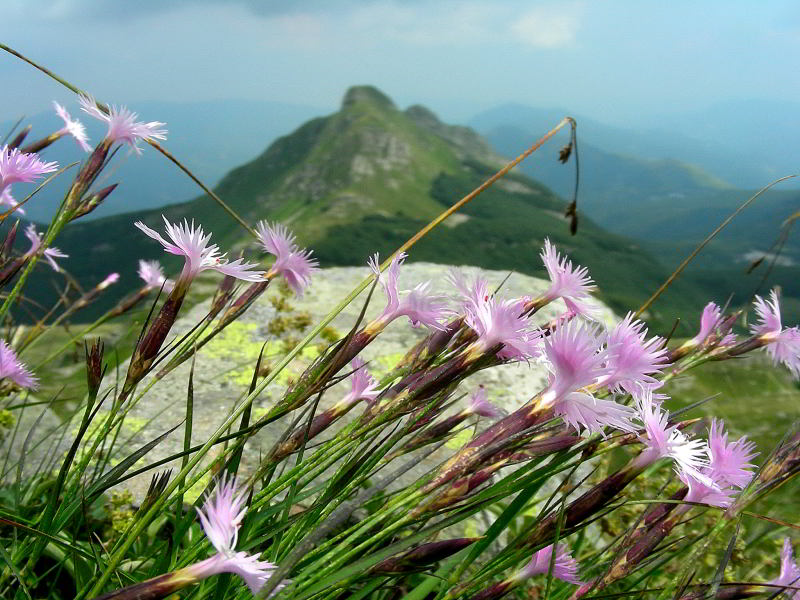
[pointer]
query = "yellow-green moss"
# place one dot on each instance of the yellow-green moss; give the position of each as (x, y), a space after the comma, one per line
(387, 361)
(330, 334)
(7, 419)
(194, 492)
(459, 439)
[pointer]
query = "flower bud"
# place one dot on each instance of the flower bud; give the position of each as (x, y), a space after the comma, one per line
(421, 556)
(41, 144)
(245, 299)
(222, 296)
(92, 294)
(11, 269)
(494, 591)
(587, 505)
(11, 236)
(150, 344)
(94, 366)
(15, 143)
(88, 173)
(781, 466)
(88, 205)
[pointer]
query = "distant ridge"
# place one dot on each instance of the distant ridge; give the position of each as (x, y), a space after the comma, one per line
(364, 179)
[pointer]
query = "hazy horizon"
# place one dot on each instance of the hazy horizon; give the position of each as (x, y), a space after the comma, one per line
(619, 62)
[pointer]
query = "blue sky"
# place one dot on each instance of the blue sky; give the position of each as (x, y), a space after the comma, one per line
(617, 61)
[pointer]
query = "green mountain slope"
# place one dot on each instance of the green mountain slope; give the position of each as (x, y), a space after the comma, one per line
(363, 180)
(669, 206)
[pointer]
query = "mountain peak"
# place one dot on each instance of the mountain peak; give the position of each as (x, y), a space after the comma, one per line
(367, 94)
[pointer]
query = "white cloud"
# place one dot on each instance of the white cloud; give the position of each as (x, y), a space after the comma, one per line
(552, 26)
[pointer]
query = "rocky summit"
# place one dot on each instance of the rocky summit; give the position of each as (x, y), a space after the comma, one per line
(365, 179)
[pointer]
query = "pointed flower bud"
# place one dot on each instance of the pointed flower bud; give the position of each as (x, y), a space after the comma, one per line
(565, 567)
(783, 345)
(8, 244)
(296, 266)
(572, 284)
(72, 127)
(122, 124)
(191, 243)
(421, 556)
(362, 387)
(87, 205)
(50, 254)
(419, 304)
(94, 366)
(13, 369)
(110, 280)
(20, 137)
(17, 166)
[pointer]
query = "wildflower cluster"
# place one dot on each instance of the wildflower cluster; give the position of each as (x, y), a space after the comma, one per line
(343, 503)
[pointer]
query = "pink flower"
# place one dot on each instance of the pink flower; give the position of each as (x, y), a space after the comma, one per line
(110, 280)
(49, 254)
(480, 405)
(500, 321)
(790, 573)
(72, 127)
(565, 567)
(222, 514)
(362, 385)
(575, 360)
(769, 315)
(497, 321)
(419, 304)
(572, 284)
(152, 274)
(581, 409)
(665, 441)
(295, 265)
(783, 344)
(632, 360)
(711, 317)
(221, 517)
(16, 166)
(729, 462)
(12, 368)
(122, 124)
(727, 471)
(472, 296)
(705, 491)
(192, 244)
(7, 199)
